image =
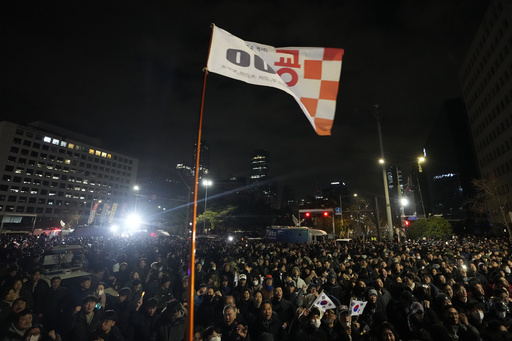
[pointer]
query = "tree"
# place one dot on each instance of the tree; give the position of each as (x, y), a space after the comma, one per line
(490, 202)
(433, 227)
(215, 218)
(71, 214)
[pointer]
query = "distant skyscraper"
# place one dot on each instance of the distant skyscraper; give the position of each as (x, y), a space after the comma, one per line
(487, 90)
(260, 180)
(395, 185)
(259, 167)
(204, 160)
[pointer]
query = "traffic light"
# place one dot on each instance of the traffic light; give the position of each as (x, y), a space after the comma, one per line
(406, 223)
(326, 214)
(307, 214)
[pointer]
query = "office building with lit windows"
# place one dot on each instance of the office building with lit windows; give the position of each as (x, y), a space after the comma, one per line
(260, 180)
(487, 89)
(51, 173)
(259, 167)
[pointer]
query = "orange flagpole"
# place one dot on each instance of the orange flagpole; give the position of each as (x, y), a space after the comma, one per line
(192, 268)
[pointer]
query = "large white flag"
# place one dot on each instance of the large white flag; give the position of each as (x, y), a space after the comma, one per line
(310, 74)
(357, 307)
(323, 302)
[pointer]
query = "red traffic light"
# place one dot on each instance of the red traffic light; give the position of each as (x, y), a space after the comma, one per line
(406, 222)
(326, 214)
(307, 214)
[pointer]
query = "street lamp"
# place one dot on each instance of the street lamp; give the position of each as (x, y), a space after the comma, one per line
(206, 183)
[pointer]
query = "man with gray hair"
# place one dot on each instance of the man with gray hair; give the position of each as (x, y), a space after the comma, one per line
(231, 328)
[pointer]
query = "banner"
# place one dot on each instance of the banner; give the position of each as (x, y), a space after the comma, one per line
(309, 74)
(92, 215)
(357, 307)
(112, 213)
(323, 302)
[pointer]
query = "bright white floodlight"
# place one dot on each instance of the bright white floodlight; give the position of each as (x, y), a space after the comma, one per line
(133, 221)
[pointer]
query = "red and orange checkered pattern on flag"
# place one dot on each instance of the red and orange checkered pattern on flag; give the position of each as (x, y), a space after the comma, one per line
(310, 74)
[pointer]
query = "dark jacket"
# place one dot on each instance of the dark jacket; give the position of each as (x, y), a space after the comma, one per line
(166, 330)
(113, 335)
(229, 333)
(140, 326)
(272, 326)
(80, 329)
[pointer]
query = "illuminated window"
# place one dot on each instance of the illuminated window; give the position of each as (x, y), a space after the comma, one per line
(19, 170)
(109, 156)
(71, 146)
(63, 144)
(103, 154)
(47, 139)
(98, 153)
(55, 141)
(67, 161)
(91, 151)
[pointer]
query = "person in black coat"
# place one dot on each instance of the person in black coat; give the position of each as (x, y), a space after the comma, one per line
(107, 329)
(142, 321)
(231, 328)
(86, 319)
(53, 304)
(267, 322)
(171, 324)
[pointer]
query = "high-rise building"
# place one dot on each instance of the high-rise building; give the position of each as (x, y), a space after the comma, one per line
(204, 160)
(487, 90)
(52, 173)
(451, 164)
(260, 180)
(395, 186)
(259, 167)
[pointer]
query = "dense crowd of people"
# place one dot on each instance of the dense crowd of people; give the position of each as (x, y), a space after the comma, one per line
(137, 289)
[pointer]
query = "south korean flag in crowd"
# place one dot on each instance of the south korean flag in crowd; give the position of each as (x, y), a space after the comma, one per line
(357, 307)
(323, 302)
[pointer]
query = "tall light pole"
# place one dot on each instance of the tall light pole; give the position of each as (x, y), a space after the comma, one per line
(206, 183)
(384, 176)
(136, 189)
(421, 159)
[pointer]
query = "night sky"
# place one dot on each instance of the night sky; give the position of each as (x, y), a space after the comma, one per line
(131, 75)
